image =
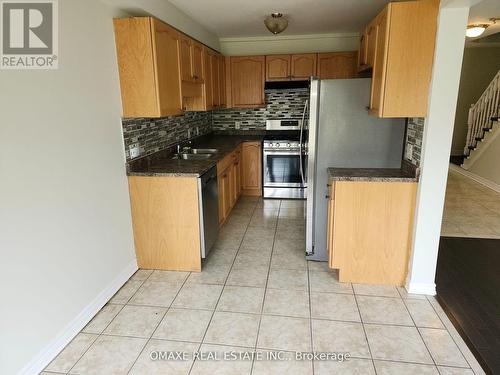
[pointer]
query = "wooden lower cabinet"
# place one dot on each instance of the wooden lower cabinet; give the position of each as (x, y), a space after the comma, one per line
(251, 177)
(165, 216)
(230, 172)
(370, 227)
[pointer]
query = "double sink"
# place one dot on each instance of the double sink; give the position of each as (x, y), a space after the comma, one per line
(196, 153)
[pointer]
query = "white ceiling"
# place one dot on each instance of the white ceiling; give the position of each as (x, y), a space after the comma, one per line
(481, 13)
(244, 18)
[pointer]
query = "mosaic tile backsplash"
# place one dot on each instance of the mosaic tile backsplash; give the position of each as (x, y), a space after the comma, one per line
(153, 135)
(281, 103)
(414, 137)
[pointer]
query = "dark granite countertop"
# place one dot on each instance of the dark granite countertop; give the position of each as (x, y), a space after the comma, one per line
(162, 164)
(404, 174)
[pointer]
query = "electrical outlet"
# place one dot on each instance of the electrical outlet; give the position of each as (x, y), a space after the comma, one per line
(237, 125)
(134, 150)
(409, 151)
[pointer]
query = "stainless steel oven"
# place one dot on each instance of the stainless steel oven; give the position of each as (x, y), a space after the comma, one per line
(284, 167)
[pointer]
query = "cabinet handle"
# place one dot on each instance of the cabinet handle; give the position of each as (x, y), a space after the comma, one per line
(327, 196)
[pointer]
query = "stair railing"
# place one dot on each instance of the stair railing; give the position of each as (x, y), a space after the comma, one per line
(480, 114)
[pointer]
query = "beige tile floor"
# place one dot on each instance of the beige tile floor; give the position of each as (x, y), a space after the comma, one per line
(471, 209)
(258, 293)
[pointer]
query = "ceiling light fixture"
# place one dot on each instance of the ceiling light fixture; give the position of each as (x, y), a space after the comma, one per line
(276, 23)
(473, 31)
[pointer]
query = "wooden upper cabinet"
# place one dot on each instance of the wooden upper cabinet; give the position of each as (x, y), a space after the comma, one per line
(278, 68)
(363, 53)
(185, 58)
(214, 64)
(197, 61)
(222, 80)
(166, 52)
(403, 43)
(298, 67)
(247, 81)
(378, 60)
(337, 65)
(191, 60)
(303, 66)
(208, 86)
(148, 64)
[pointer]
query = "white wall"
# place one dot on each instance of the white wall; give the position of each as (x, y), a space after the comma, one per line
(275, 44)
(479, 66)
(65, 226)
(486, 166)
(167, 12)
(438, 130)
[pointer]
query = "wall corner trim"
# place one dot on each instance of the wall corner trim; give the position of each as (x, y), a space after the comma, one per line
(46, 355)
(421, 288)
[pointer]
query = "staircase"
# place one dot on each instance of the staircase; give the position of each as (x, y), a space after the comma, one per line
(483, 123)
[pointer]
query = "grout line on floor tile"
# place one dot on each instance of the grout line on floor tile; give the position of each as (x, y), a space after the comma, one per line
(364, 330)
(100, 334)
(222, 290)
(265, 286)
(452, 336)
(159, 322)
(419, 333)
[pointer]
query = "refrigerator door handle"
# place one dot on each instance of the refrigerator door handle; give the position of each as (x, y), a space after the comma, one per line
(311, 160)
(300, 142)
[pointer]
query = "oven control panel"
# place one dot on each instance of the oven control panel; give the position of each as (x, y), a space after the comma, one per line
(285, 145)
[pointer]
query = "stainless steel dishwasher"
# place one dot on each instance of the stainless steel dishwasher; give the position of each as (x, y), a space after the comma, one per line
(208, 194)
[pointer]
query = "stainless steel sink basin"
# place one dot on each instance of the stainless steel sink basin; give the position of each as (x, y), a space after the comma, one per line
(194, 156)
(204, 150)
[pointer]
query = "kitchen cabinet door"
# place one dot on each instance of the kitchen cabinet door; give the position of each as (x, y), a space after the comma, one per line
(247, 81)
(197, 61)
(363, 52)
(379, 62)
(226, 183)
(371, 42)
(251, 168)
(185, 58)
(166, 55)
(148, 52)
(222, 80)
(337, 65)
(238, 173)
(303, 66)
(278, 68)
(214, 64)
(401, 41)
(220, 188)
(208, 85)
(329, 243)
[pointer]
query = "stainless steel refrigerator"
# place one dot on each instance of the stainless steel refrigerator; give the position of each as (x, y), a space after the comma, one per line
(342, 134)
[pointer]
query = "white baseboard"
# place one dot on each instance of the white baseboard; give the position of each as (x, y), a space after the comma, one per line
(46, 355)
(421, 288)
(475, 177)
